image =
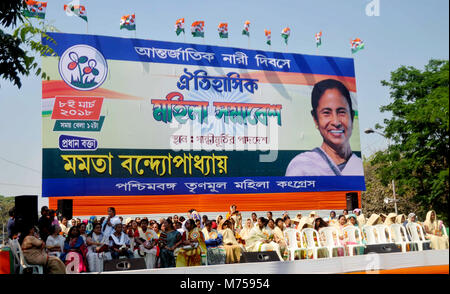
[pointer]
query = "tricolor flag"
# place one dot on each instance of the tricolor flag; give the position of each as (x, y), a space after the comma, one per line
(197, 29)
(35, 9)
(268, 37)
(246, 30)
(356, 45)
(319, 39)
(179, 26)
(223, 30)
(285, 34)
(128, 22)
(79, 10)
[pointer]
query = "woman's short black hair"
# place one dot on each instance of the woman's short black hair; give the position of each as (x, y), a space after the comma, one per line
(321, 87)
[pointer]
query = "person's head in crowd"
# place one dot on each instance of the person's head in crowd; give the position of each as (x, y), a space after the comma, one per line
(357, 211)
(118, 229)
(134, 225)
(102, 219)
(97, 229)
(52, 214)
(204, 218)
(190, 224)
(55, 230)
(138, 221)
(271, 224)
(269, 215)
(208, 225)
(299, 215)
(170, 217)
(144, 225)
(12, 212)
(254, 217)
(198, 223)
(73, 222)
(155, 227)
(44, 211)
(319, 223)
(175, 218)
(279, 223)
(285, 214)
(121, 220)
(412, 217)
(168, 225)
(342, 220)
(219, 219)
(64, 221)
(383, 217)
(178, 225)
(181, 219)
(189, 213)
(262, 222)
(111, 212)
(345, 212)
(332, 214)
(74, 232)
(287, 221)
(249, 223)
(161, 220)
(352, 219)
(226, 225)
(82, 228)
(232, 223)
(78, 221)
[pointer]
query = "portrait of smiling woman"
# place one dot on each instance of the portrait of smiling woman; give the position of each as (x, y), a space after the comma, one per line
(333, 116)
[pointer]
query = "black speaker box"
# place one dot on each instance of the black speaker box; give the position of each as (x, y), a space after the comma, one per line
(65, 207)
(26, 215)
(352, 201)
(263, 256)
(124, 264)
(382, 248)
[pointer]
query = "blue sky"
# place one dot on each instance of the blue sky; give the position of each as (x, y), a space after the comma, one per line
(404, 33)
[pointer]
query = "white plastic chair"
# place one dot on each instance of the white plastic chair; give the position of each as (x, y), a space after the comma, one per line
(292, 246)
(444, 230)
(381, 234)
(400, 236)
(350, 232)
(309, 233)
(417, 236)
(371, 237)
(331, 239)
(22, 263)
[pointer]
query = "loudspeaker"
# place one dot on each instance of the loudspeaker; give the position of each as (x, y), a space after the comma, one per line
(263, 256)
(124, 264)
(26, 212)
(352, 200)
(382, 248)
(65, 208)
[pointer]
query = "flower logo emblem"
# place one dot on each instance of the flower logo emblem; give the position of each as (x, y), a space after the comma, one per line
(83, 67)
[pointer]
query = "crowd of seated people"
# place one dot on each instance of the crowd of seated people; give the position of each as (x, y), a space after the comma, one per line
(76, 246)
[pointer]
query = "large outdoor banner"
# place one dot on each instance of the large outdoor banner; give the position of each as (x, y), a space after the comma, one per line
(141, 117)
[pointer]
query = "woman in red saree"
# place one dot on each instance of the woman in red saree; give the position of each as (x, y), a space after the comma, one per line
(75, 252)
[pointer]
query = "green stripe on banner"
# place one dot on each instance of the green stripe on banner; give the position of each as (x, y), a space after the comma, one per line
(154, 163)
(46, 113)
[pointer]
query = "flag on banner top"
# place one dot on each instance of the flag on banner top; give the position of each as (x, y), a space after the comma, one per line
(223, 30)
(356, 45)
(179, 26)
(79, 10)
(197, 29)
(128, 22)
(285, 34)
(35, 9)
(268, 37)
(246, 30)
(319, 39)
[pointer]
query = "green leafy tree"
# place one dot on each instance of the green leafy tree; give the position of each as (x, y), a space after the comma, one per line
(18, 50)
(418, 131)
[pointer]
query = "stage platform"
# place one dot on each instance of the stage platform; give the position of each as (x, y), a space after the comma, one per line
(428, 261)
